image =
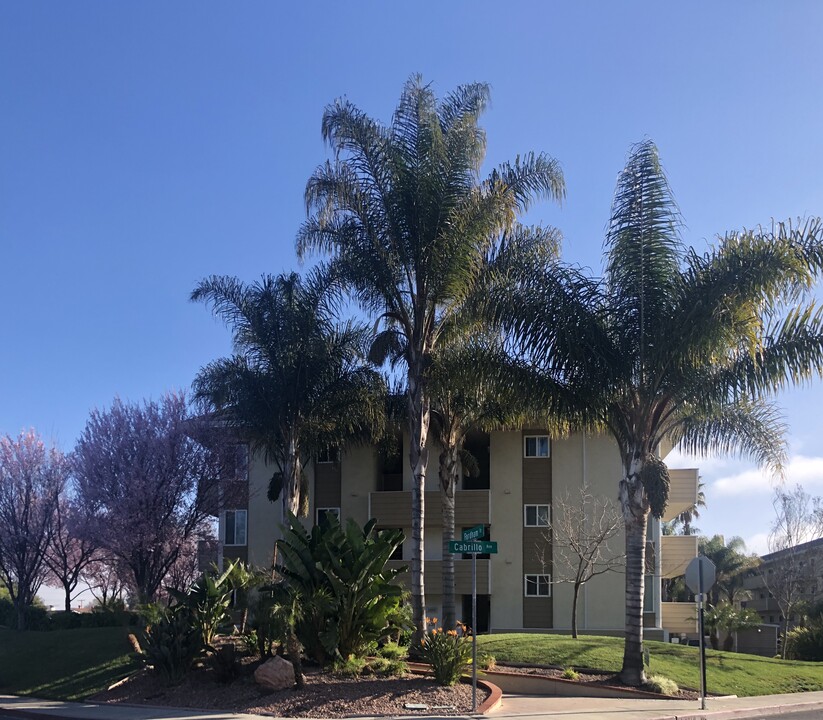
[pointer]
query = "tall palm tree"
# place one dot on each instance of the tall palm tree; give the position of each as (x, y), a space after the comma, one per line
(408, 222)
(674, 344)
(297, 383)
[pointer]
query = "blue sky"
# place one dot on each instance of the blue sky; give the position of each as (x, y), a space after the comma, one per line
(146, 145)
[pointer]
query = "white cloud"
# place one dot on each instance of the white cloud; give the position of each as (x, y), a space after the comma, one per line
(802, 470)
(757, 543)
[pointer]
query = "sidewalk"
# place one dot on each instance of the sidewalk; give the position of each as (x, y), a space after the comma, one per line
(522, 707)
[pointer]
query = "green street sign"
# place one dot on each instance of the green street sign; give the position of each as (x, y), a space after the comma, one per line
(475, 533)
(472, 546)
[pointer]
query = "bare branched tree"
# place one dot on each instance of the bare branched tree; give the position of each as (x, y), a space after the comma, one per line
(797, 521)
(580, 533)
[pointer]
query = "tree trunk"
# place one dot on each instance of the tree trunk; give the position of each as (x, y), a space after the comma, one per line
(635, 506)
(418, 459)
(21, 614)
(291, 481)
(67, 590)
(574, 609)
(449, 472)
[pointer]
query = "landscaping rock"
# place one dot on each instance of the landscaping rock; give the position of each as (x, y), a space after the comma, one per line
(276, 673)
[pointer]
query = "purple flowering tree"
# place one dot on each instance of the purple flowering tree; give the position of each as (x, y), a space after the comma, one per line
(138, 469)
(31, 480)
(71, 548)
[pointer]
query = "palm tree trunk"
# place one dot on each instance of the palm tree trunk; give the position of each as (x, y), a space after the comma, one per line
(449, 471)
(291, 480)
(635, 508)
(418, 459)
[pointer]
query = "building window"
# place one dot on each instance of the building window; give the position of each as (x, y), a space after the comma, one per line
(329, 455)
(235, 527)
(537, 585)
(537, 515)
(536, 446)
(323, 513)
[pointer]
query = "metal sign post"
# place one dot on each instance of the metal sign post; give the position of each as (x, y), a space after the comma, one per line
(472, 544)
(700, 576)
(474, 632)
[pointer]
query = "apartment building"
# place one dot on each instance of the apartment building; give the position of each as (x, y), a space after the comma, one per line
(795, 573)
(522, 474)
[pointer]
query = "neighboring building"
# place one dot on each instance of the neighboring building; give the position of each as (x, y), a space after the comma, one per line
(801, 565)
(521, 473)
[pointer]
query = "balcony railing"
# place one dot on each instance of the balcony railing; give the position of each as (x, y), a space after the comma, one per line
(676, 552)
(433, 576)
(393, 509)
(682, 492)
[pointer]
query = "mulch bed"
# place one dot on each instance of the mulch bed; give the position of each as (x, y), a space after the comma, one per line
(324, 696)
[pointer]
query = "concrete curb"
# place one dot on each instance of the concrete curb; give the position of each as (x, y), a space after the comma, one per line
(742, 713)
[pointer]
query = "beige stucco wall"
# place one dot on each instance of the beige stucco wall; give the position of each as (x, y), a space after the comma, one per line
(265, 518)
(595, 461)
(358, 477)
(506, 471)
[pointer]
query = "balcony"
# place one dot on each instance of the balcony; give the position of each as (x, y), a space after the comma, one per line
(676, 552)
(393, 509)
(433, 576)
(679, 617)
(682, 492)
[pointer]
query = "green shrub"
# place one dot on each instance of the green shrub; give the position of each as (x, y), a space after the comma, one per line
(387, 667)
(225, 663)
(393, 651)
(448, 652)
(486, 661)
(347, 594)
(805, 643)
(209, 601)
(352, 666)
(571, 674)
(171, 644)
(661, 684)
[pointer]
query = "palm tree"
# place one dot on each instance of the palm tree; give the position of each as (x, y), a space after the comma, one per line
(408, 222)
(297, 384)
(672, 344)
(731, 566)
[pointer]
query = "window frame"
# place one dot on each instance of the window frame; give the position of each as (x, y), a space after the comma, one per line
(235, 512)
(537, 582)
(537, 439)
(536, 524)
(329, 456)
(317, 511)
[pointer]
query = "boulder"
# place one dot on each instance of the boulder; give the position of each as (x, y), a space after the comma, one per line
(276, 673)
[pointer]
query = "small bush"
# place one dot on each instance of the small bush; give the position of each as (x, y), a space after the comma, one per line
(393, 651)
(448, 652)
(386, 667)
(171, 644)
(571, 674)
(251, 642)
(805, 643)
(662, 685)
(486, 661)
(352, 666)
(225, 663)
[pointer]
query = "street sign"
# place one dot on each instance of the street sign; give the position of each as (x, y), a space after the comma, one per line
(693, 574)
(700, 575)
(474, 533)
(473, 546)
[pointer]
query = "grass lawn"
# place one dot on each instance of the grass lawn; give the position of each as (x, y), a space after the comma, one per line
(64, 664)
(726, 673)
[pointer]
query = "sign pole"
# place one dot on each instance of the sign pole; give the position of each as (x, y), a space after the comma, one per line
(474, 632)
(700, 604)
